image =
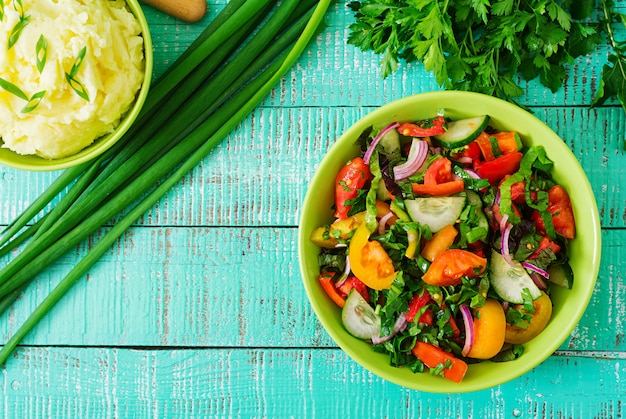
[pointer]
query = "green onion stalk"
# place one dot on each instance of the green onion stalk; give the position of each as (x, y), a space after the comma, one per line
(135, 174)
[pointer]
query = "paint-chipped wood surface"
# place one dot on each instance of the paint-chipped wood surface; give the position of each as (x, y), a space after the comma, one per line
(198, 310)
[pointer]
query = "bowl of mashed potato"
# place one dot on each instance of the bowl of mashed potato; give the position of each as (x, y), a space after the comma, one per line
(74, 75)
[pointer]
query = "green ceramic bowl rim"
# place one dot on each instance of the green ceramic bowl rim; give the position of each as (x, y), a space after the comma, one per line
(38, 164)
(587, 250)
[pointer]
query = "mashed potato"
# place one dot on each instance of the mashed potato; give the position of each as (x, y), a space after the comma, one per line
(62, 122)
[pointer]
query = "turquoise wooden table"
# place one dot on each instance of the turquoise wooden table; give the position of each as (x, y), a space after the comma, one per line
(199, 310)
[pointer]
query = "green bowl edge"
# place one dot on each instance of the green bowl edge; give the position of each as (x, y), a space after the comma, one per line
(484, 375)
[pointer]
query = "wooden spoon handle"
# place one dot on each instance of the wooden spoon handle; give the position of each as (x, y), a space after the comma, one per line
(187, 10)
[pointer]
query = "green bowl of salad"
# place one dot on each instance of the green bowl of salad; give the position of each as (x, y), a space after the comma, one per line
(449, 242)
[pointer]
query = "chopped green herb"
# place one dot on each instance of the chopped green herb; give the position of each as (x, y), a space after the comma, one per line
(13, 89)
(613, 77)
(19, 7)
(77, 87)
(484, 46)
(71, 76)
(34, 101)
(17, 30)
(42, 53)
(78, 62)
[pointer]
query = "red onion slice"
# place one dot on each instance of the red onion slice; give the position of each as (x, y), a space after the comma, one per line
(382, 223)
(345, 275)
(472, 173)
(505, 244)
(415, 160)
(539, 281)
(468, 321)
(503, 222)
(399, 326)
(537, 269)
(376, 140)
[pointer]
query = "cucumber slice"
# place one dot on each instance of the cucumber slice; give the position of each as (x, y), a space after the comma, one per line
(435, 212)
(461, 132)
(390, 144)
(510, 281)
(359, 317)
(562, 275)
(482, 223)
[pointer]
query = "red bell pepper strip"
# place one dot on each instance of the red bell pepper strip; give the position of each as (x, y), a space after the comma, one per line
(432, 356)
(496, 169)
(351, 178)
(439, 180)
(414, 130)
(441, 189)
(494, 145)
(326, 279)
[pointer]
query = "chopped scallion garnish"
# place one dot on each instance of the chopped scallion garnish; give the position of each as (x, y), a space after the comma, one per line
(71, 76)
(19, 7)
(42, 53)
(17, 30)
(77, 87)
(34, 101)
(142, 168)
(13, 89)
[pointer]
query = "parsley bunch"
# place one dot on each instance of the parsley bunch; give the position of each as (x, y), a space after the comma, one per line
(485, 46)
(613, 78)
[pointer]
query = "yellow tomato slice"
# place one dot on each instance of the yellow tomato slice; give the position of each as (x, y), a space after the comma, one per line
(489, 330)
(369, 261)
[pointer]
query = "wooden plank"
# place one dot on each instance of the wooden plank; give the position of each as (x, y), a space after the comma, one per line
(204, 287)
(259, 175)
(334, 73)
(109, 382)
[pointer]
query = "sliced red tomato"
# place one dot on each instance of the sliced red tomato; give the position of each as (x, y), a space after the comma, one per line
(472, 151)
(439, 180)
(518, 191)
(560, 207)
(351, 178)
(497, 214)
(416, 304)
(450, 266)
(414, 130)
(353, 283)
(496, 169)
(544, 244)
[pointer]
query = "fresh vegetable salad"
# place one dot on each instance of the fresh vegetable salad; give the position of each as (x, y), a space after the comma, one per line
(447, 239)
